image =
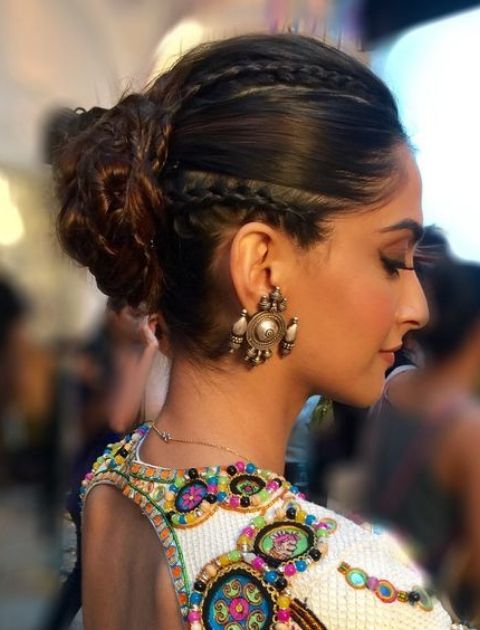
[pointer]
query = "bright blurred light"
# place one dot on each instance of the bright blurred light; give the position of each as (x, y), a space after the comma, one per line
(11, 224)
(433, 70)
(175, 43)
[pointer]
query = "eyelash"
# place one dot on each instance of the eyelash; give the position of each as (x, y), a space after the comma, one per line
(393, 266)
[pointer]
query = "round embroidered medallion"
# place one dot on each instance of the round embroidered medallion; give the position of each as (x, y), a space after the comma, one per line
(247, 485)
(238, 599)
(283, 541)
(190, 496)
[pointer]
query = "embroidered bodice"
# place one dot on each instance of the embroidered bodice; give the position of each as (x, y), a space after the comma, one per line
(247, 551)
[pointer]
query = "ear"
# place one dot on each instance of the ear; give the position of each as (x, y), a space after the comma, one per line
(159, 327)
(261, 258)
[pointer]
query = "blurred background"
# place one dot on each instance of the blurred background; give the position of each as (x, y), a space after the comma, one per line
(59, 346)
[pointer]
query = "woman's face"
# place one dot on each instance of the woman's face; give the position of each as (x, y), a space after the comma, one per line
(354, 300)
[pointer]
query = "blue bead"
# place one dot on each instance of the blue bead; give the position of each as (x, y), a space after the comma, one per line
(221, 496)
(128, 438)
(301, 565)
(196, 598)
(112, 463)
(271, 576)
(212, 481)
(182, 520)
(250, 468)
(294, 489)
(173, 488)
(310, 519)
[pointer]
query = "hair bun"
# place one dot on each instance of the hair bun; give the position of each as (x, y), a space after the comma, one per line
(111, 202)
(63, 124)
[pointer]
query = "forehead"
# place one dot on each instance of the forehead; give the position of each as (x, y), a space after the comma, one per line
(405, 204)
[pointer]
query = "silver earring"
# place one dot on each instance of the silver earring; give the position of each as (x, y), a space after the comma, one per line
(266, 328)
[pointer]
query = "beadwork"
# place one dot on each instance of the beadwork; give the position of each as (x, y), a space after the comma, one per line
(271, 551)
(384, 590)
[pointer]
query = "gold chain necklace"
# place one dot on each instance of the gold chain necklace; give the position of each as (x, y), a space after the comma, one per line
(167, 437)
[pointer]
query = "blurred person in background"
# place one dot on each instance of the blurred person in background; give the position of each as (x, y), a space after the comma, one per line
(245, 171)
(110, 375)
(424, 439)
(12, 368)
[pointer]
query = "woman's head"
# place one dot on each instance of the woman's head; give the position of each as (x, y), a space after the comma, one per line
(453, 290)
(255, 161)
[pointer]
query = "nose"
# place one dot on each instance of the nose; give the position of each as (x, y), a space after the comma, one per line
(413, 311)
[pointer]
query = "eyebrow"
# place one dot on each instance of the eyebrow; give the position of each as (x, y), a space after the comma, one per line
(407, 224)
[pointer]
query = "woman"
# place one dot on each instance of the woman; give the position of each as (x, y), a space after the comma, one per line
(425, 438)
(258, 170)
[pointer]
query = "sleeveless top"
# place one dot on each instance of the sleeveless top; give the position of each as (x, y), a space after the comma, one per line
(247, 551)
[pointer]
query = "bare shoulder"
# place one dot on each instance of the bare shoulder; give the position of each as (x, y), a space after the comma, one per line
(118, 573)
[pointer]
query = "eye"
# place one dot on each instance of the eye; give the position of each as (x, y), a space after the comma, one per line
(393, 265)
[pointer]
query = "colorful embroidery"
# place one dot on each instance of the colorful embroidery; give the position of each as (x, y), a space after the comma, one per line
(384, 590)
(249, 586)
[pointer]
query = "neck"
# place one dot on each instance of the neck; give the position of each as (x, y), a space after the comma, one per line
(249, 410)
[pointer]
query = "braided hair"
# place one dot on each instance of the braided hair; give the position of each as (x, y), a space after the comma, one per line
(276, 128)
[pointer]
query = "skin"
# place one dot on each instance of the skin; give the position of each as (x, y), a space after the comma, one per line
(350, 309)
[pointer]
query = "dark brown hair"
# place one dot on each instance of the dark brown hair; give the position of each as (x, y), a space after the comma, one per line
(278, 128)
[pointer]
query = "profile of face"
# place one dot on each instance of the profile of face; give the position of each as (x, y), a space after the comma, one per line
(354, 299)
(352, 294)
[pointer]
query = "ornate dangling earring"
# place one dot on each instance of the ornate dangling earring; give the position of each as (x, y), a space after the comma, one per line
(266, 328)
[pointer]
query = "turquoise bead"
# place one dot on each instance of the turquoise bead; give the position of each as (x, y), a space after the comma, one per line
(196, 598)
(221, 496)
(310, 520)
(270, 576)
(301, 565)
(250, 468)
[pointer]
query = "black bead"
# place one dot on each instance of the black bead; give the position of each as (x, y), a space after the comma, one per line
(413, 597)
(281, 583)
(199, 586)
(231, 470)
(315, 554)
(279, 480)
(291, 513)
(245, 502)
(170, 515)
(193, 473)
(211, 498)
(122, 452)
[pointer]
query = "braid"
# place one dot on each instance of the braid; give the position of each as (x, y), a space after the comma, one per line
(281, 73)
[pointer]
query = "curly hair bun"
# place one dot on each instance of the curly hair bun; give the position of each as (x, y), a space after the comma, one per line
(106, 164)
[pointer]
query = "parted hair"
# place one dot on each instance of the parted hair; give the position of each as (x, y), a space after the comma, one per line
(276, 128)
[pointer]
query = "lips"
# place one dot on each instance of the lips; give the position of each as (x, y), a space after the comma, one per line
(396, 349)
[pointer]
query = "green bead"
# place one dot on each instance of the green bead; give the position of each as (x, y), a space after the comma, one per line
(264, 495)
(259, 522)
(235, 556)
(178, 483)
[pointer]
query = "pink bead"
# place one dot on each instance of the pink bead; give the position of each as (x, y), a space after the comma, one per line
(240, 466)
(301, 495)
(258, 563)
(234, 501)
(290, 570)
(212, 489)
(273, 485)
(194, 615)
(372, 583)
(89, 476)
(283, 615)
(248, 531)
